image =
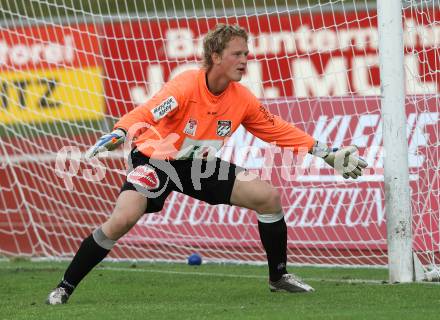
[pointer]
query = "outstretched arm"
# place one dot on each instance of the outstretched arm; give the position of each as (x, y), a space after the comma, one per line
(271, 128)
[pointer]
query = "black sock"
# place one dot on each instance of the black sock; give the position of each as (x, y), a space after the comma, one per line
(274, 239)
(87, 257)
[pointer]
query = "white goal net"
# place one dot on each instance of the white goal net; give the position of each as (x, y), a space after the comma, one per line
(70, 69)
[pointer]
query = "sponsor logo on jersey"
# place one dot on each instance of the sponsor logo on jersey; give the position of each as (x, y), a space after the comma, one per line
(144, 176)
(165, 107)
(224, 128)
(191, 127)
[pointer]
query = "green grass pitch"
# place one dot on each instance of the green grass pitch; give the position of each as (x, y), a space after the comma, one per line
(210, 291)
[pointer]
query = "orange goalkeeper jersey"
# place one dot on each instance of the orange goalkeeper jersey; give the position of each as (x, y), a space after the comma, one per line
(185, 120)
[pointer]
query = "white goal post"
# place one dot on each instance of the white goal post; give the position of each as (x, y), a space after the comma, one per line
(345, 71)
(396, 173)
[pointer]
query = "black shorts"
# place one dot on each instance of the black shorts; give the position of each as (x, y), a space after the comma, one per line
(207, 180)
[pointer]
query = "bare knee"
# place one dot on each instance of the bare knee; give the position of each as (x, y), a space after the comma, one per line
(268, 202)
(118, 225)
(251, 192)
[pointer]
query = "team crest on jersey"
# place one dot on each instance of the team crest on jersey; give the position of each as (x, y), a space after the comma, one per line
(224, 128)
(191, 127)
(144, 176)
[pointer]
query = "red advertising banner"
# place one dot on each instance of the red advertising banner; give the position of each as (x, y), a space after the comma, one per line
(49, 46)
(319, 71)
(303, 55)
(317, 57)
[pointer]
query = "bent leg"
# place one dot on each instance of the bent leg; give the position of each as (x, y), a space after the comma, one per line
(130, 206)
(251, 192)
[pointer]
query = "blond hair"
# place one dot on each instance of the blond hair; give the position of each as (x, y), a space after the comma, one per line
(217, 39)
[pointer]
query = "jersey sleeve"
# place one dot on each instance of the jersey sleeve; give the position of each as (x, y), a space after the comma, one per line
(273, 129)
(163, 104)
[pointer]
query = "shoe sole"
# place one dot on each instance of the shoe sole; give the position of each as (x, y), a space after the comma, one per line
(284, 290)
(297, 290)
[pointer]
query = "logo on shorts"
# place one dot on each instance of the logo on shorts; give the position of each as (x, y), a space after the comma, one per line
(191, 127)
(224, 128)
(144, 176)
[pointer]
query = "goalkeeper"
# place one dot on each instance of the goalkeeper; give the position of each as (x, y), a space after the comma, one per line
(176, 134)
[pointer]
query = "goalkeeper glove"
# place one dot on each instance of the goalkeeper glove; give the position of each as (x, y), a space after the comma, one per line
(343, 160)
(107, 142)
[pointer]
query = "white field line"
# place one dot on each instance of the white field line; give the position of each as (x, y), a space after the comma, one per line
(203, 274)
(222, 275)
(228, 275)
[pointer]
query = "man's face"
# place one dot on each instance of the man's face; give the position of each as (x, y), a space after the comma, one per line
(233, 60)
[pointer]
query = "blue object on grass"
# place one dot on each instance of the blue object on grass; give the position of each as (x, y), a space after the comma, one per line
(194, 260)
